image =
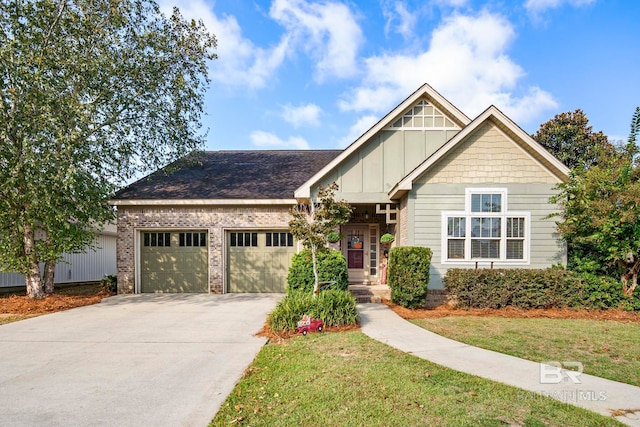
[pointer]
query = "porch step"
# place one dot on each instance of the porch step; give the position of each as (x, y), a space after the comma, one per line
(370, 293)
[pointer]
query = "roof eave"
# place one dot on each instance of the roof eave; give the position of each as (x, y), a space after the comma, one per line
(200, 202)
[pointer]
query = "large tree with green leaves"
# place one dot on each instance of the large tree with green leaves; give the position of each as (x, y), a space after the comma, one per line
(569, 137)
(93, 93)
(600, 212)
(313, 221)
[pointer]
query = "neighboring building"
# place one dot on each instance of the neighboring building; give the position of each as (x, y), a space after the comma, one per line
(474, 191)
(89, 266)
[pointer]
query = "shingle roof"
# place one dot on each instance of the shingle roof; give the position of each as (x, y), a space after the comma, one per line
(232, 175)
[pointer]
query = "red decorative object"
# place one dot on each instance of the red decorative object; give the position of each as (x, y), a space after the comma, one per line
(307, 324)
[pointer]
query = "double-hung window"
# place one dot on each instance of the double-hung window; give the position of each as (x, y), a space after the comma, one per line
(486, 230)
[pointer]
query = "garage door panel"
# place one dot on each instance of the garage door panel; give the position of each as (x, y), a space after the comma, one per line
(173, 267)
(280, 262)
(245, 275)
(261, 266)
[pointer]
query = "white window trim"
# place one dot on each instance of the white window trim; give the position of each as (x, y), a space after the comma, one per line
(467, 215)
(437, 113)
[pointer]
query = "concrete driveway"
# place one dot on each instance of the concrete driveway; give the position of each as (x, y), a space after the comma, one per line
(132, 360)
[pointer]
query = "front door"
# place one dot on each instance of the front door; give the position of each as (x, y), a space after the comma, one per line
(357, 252)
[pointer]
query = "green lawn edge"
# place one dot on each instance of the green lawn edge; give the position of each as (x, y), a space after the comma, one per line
(605, 348)
(349, 379)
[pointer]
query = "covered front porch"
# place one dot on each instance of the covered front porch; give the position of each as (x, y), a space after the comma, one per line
(360, 244)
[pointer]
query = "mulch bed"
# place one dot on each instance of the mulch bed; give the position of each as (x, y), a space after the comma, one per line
(512, 312)
(63, 299)
(446, 311)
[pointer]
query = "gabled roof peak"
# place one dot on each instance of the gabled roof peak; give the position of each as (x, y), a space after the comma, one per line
(493, 114)
(423, 92)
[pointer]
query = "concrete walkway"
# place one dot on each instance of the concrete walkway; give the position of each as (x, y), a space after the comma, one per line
(586, 391)
(132, 360)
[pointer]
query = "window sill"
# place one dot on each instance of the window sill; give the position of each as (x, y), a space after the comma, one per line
(486, 262)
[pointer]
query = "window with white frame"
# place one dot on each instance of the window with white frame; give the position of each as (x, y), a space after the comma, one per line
(486, 230)
(423, 115)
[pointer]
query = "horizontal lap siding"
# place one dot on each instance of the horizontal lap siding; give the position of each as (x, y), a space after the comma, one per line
(427, 226)
(430, 200)
(546, 249)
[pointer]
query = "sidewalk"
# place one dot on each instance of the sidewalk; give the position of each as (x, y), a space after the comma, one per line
(596, 394)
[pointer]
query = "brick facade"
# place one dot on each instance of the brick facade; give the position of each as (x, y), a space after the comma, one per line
(214, 219)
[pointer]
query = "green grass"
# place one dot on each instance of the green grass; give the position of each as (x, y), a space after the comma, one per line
(606, 348)
(348, 379)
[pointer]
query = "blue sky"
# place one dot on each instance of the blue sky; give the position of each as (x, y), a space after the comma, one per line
(295, 74)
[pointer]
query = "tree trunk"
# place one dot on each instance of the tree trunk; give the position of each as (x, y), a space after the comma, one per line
(49, 273)
(34, 284)
(632, 274)
(316, 286)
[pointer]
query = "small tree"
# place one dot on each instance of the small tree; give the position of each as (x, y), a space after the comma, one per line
(600, 210)
(93, 93)
(313, 221)
(569, 137)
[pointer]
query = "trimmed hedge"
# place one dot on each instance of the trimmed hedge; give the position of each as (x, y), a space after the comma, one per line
(335, 307)
(408, 275)
(534, 288)
(331, 267)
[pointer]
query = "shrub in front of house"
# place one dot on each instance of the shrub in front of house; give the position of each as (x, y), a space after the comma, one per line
(604, 292)
(534, 288)
(523, 288)
(331, 267)
(408, 275)
(109, 284)
(335, 307)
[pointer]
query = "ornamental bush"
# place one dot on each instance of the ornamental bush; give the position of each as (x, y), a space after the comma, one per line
(408, 275)
(335, 307)
(534, 288)
(331, 267)
(109, 283)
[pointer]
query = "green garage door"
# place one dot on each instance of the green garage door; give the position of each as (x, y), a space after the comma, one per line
(174, 262)
(258, 261)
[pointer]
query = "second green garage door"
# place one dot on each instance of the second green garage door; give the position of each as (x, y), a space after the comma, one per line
(258, 261)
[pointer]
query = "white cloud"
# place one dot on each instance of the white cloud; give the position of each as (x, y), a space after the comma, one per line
(406, 20)
(327, 31)
(264, 139)
(466, 62)
(451, 3)
(240, 62)
(358, 128)
(538, 6)
(308, 114)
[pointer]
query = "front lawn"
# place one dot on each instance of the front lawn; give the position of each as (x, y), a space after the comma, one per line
(606, 348)
(348, 379)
